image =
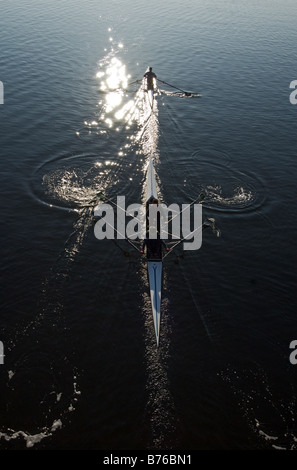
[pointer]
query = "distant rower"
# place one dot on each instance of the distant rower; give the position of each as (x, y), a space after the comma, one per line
(150, 78)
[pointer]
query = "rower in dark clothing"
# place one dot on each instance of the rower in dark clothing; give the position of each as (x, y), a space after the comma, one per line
(150, 78)
(151, 201)
(154, 246)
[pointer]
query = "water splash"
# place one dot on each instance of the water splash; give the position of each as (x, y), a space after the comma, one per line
(270, 416)
(33, 438)
(241, 197)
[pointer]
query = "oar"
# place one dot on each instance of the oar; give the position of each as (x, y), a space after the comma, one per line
(136, 81)
(102, 197)
(187, 93)
(200, 198)
(205, 225)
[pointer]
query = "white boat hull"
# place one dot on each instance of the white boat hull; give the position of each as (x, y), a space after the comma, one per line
(155, 281)
(154, 266)
(151, 186)
(150, 95)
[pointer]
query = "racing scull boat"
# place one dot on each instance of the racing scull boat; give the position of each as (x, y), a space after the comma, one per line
(154, 266)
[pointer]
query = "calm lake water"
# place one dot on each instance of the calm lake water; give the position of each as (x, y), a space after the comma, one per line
(81, 367)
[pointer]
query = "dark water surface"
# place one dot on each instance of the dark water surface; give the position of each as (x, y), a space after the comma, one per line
(81, 367)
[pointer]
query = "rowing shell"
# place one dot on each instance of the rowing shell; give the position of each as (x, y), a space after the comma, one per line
(154, 266)
(150, 95)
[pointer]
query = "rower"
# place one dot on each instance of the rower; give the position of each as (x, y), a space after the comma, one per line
(150, 78)
(154, 247)
(154, 201)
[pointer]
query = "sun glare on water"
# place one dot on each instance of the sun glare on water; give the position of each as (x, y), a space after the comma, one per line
(114, 75)
(122, 104)
(114, 82)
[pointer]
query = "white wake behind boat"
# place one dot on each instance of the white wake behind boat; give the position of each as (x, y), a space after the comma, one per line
(154, 266)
